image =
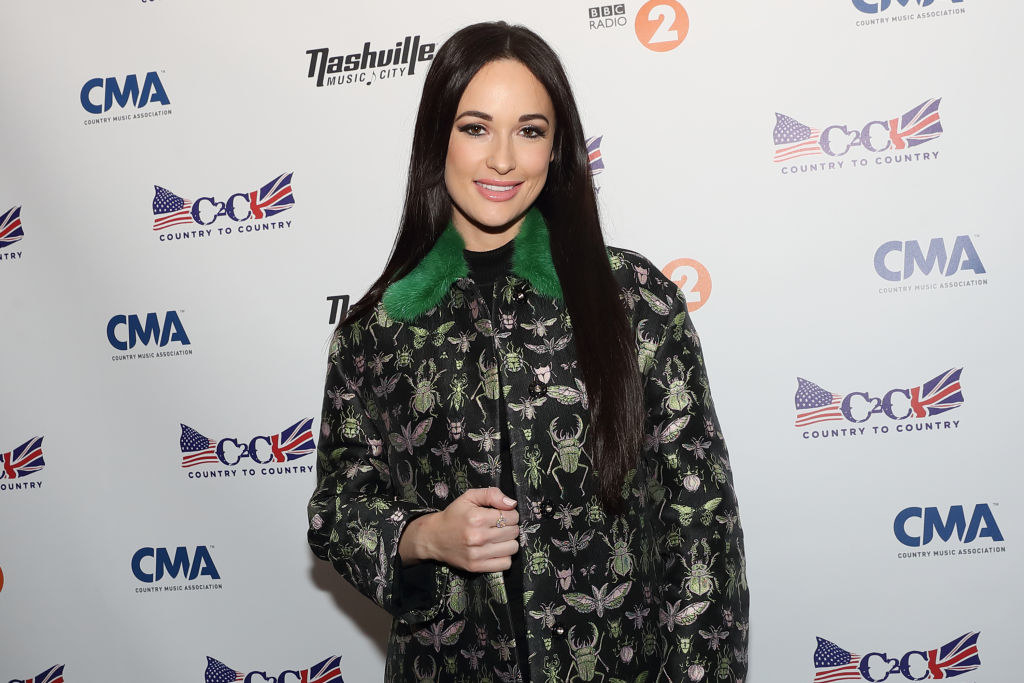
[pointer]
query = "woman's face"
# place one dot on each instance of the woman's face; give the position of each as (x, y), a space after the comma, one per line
(499, 149)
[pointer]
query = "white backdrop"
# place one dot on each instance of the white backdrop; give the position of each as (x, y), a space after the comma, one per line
(786, 279)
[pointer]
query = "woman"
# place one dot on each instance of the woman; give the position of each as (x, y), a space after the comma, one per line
(519, 459)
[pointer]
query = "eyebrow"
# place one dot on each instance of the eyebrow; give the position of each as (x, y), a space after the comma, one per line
(488, 117)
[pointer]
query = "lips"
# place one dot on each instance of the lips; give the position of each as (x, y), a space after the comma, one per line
(497, 190)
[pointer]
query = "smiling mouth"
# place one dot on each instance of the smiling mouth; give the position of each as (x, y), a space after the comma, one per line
(498, 191)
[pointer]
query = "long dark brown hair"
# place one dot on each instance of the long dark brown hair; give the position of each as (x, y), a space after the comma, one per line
(605, 348)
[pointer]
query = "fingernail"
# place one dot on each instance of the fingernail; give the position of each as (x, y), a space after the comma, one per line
(509, 501)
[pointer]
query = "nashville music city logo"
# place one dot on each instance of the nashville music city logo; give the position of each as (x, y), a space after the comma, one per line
(55, 674)
(883, 142)
(11, 233)
(21, 462)
(327, 671)
(958, 656)
(369, 65)
(909, 408)
(244, 213)
(263, 455)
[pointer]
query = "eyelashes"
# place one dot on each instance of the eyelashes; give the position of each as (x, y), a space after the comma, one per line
(477, 130)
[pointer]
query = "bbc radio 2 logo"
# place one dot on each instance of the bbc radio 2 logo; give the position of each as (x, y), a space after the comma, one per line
(659, 25)
(11, 232)
(327, 671)
(20, 463)
(266, 455)
(127, 332)
(900, 11)
(908, 408)
(245, 213)
(889, 140)
(175, 569)
(912, 265)
(959, 656)
(692, 278)
(929, 527)
(101, 96)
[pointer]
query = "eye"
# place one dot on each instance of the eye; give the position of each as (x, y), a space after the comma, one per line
(473, 129)
(533, 132)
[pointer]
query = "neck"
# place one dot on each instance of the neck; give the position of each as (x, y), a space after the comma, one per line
(477, 239)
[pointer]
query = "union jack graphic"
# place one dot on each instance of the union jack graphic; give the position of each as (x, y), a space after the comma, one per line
(327, 671)
(917, 126)
(55, 674)
(793, 139)
(594, 154)
(23, 460)
(169, 209)
(294, 442)
(956, 657)
(272, 198)
(833, 663)
(196, 449)
(10, 227)
(938, 394)
(814, 404)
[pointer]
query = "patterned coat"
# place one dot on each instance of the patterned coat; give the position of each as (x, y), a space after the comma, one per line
(411, 420)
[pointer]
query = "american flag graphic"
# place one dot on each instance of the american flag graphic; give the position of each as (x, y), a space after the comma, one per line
(917, 126)
(217, 672)
(938, 394)
(196, 449)
(169, 209)
(327, 671)
(272, 198)
(956, 657)
(833, 663)
(793, 139)
(294, 442)
(10, 227)
(55, 674)
(814, 404)
(594, 153)
(23, 460)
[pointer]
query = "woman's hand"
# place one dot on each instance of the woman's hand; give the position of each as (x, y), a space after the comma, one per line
(463, 535)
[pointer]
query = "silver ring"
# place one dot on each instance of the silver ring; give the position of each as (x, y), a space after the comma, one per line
(501, 520)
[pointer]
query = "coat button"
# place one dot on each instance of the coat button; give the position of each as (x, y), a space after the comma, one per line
(538, 388)
(558, 630)
(547, 508)
(521, 291)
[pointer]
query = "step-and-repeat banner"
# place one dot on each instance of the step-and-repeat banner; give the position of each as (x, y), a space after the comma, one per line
(192, 193)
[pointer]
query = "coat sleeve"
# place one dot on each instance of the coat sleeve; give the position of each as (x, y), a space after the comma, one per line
(705, 597)
(356, 517)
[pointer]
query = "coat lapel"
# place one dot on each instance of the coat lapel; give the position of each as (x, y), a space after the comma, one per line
(426, 284)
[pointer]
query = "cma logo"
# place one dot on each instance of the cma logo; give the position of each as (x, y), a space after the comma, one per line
(153, 564)
(896, 261)
(919, 526)
(877, 6)
(152, 90)
(125, 331)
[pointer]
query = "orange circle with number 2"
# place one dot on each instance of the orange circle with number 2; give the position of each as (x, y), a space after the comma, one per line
(661, 25)
(693, 278)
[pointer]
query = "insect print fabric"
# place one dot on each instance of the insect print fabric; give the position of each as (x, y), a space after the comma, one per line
(411, 420)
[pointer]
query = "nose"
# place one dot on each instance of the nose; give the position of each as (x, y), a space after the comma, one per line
(502, 159)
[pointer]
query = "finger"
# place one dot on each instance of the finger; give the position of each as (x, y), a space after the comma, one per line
(503, 549)
(489, 497)
(494, 536)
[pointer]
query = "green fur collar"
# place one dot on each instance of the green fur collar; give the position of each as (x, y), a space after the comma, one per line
(427, 283)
